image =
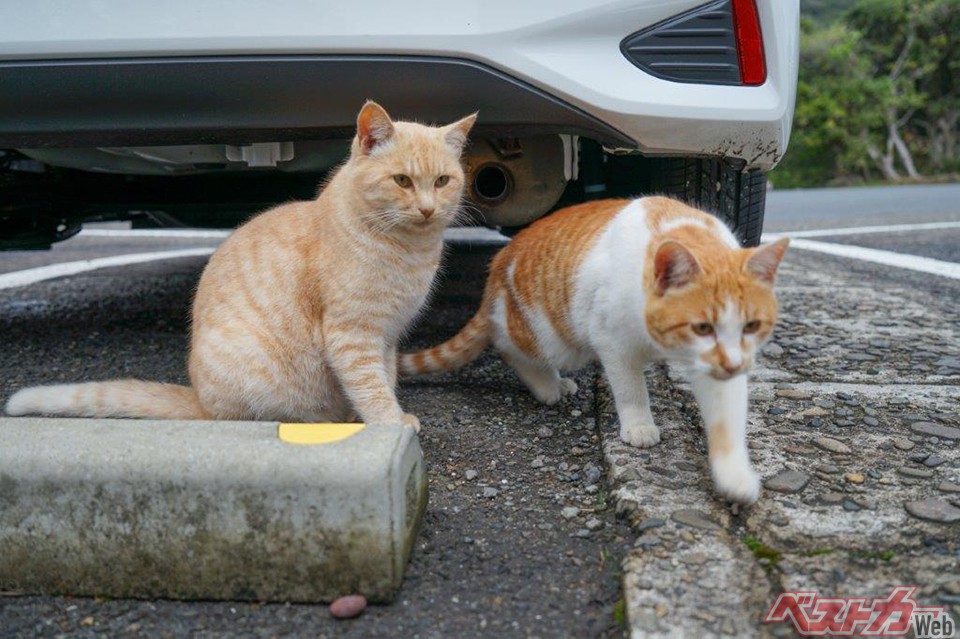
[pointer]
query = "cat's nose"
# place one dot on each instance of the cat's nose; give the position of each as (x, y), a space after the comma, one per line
(731, 368)
(426, 213)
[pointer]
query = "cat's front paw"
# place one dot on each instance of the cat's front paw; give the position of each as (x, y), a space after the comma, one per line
(641, 435)
(554, 391)
(568, 387)
(737, 483)
(412, 421)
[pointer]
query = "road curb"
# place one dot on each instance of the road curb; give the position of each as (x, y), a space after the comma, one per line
(205, 510)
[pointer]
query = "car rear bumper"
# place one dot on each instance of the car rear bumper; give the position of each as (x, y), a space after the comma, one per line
(243, 99)
(564, 53)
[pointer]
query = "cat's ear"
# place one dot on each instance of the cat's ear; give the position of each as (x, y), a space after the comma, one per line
(674, 266)
(765, 259)
(455, 135)
(374, 127)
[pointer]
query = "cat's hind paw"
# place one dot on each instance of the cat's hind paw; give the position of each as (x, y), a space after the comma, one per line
(640, 435)
(412, 421)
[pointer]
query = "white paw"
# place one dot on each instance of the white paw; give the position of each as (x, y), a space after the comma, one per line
(548, 396)
(737, 483)
(412, 421)
(568, 387)
(640, 435)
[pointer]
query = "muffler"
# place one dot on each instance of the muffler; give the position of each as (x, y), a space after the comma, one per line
(513, 181)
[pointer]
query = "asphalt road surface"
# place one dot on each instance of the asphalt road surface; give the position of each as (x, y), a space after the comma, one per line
(540, 523)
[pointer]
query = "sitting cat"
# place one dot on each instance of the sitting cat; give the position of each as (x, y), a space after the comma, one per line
(298, 313)
(627, 283)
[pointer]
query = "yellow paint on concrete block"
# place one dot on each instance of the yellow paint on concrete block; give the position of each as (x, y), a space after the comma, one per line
(317, 433)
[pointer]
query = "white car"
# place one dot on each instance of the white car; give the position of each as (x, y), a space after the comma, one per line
(190, 112)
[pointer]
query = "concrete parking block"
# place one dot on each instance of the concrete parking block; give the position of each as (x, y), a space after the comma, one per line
(207, 510)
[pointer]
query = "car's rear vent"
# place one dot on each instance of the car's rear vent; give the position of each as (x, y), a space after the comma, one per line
(697, 46)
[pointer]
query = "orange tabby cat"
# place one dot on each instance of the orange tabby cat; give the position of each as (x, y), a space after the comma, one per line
(626, 283)
(298, 313)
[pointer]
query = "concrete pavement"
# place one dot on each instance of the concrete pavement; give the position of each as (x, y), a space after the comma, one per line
(851, 420)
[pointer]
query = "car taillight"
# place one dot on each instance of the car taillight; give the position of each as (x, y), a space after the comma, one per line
(717, 43)
(746, 25)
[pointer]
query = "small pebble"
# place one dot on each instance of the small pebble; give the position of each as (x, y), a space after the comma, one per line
(646, 541)
(470, 475)
(903, 444)
(647, 524)
(348, 607)
(855, 478)
(790, 393)
(849, 504)
(832, 445)
(919, 473)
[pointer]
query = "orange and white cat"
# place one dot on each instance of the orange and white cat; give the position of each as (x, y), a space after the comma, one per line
(628, 283)
(298, 313)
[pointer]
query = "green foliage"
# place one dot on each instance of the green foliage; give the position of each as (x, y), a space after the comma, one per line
(885, 72)
(824, 11)
(620, 612)
(872, 555)
(762, 551)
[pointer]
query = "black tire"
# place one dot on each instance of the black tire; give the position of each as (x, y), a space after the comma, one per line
(716, 186)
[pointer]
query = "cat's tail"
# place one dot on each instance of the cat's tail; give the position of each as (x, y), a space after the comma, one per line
(459, 350)
(119, 398)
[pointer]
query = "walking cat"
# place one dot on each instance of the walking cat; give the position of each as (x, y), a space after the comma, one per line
(298, 313)
(628, 283)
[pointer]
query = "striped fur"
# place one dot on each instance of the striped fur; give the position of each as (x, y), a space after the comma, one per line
(628, 283)
(459, 350)
(298, 313)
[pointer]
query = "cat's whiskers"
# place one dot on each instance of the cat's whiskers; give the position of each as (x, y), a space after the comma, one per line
(463, 214)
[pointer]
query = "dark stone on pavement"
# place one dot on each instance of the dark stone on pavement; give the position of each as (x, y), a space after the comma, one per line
(647, 524)
(933, 510)
(788, 481)
(695, 519)
(935, 430)
(919, 473)
(949, 487)
(832, 445)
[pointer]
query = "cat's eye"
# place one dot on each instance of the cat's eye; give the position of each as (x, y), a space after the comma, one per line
(752, 326)
(403, 181)
(703, 328)
(442, 181)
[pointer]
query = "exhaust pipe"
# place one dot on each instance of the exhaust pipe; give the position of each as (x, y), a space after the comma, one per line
(513, 182)
(492, 184)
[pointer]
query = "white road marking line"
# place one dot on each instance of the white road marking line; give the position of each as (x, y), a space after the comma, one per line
(40, 273)
(877, 256)
(463, 234)
(145, 233)
(859, 230)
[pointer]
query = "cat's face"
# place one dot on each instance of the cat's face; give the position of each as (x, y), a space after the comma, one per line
(408, 174)
(713, 312)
